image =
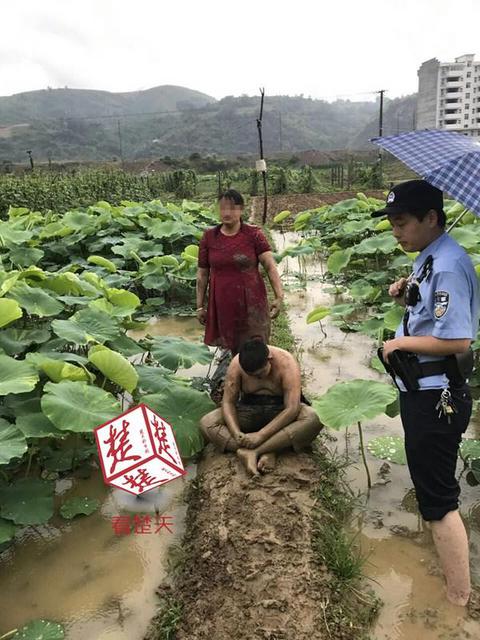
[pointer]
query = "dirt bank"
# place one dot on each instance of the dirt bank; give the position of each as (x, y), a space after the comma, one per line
(250, 570)
(296, 202)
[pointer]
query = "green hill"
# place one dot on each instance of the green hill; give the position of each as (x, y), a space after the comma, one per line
(74, 124)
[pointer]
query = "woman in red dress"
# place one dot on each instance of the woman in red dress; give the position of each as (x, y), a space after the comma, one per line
(228, 268)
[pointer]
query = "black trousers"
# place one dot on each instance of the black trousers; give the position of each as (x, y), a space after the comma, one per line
(431, 444)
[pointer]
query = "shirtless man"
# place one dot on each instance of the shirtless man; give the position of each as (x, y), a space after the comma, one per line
(261, 412)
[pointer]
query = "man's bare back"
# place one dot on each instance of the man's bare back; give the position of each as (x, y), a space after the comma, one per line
(261, 412)
(281, 377)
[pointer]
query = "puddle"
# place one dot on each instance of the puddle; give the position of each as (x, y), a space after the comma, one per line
(402, 562)
(87, 577)
(82, 574)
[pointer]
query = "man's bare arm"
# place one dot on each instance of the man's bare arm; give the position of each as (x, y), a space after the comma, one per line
(230, 396)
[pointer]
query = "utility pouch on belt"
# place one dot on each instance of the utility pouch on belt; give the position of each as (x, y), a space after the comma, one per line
(403, 364)
(406, 366)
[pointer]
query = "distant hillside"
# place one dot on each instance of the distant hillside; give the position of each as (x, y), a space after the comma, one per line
(81, 103)
(398, 116)
(73, 124)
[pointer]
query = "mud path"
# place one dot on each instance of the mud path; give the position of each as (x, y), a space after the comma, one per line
(251, 571)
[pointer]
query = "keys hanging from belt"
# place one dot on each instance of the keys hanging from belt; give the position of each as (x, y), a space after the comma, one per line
(445, 405)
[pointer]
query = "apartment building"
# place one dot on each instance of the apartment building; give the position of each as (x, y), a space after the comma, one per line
(449, 95)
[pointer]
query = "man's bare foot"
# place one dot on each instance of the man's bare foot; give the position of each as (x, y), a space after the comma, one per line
(249, 459)
(266, 462)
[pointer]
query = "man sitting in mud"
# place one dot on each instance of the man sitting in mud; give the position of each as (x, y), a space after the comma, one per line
(262, 412)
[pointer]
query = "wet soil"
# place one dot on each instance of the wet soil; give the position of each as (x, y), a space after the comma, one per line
(251, 571)
(301, 202)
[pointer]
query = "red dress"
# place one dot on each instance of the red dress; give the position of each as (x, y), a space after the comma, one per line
(237, 297)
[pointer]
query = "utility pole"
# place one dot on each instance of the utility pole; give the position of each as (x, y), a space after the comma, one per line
(280, 130)
(120, 147)
(380, 133)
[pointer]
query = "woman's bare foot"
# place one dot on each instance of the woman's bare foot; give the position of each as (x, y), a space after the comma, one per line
(249, 459)
(266, 462)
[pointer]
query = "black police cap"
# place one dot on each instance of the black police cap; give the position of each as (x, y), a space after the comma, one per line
(410, 197)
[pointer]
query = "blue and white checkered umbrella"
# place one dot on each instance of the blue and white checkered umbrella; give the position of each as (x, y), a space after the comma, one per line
(450, 161)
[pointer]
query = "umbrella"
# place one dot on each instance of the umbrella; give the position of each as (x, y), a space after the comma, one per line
(447, 160)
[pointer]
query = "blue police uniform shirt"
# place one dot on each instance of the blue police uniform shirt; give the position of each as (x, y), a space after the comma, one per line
(449, 304)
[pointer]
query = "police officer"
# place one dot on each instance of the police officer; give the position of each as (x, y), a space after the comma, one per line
(441, 319)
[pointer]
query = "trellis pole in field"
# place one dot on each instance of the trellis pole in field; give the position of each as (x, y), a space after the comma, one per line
(261, 165)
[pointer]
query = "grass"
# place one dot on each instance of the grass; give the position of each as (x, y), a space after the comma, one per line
(165, 623)
(350, 605)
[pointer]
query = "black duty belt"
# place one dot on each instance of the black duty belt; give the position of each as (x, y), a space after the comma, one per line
(406, 366)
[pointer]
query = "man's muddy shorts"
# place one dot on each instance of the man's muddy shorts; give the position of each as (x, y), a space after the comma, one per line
(431, 445)
(253, 417)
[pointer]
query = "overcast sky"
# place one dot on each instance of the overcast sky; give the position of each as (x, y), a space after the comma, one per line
(343, 48)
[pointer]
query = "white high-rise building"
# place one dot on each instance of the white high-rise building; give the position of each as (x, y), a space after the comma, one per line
(449, 95)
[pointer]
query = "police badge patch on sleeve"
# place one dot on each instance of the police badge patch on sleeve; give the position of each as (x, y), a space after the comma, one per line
(442, 299)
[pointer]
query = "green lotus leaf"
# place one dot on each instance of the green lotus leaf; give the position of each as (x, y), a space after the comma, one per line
(40, 630)
(393, 317)
(154, 379)
(70, 331)
(391, 448)
(114, 367)
(111, 310)
(7, 530)
(347, 403)
(371, 326)
(376, 364)
(142, 248)
(37, 425)
(69, 283)
(66, 356)
(182, 408)
(470, 449)
(11, 237)
(466, 236)
(9, 311)
(72, 301)
(281, 216)
(8, 282)
(78, 505)
(102, 262)
(126, 346)
(15, 341)
(361, 290)
(338, 260)
(319, 313)
(343, 309)
(58, 370)
(78, 220)
(16, 376)
(174, 353)
(123, 298)
(35, 301)
(27, 501)
(300, 249)
(393, 409)
(85, 325)
(168, 261)
(25, 256)
(76, 406)
(168, 229)
(12, 442)
(190, 253)
(382, 243)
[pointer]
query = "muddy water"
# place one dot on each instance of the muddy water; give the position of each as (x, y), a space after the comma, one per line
(80, 573)
(401, 559)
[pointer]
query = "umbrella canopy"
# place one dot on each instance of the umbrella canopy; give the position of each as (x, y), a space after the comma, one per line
(447, 160)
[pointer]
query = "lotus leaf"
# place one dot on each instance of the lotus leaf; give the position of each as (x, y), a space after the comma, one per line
(76, 406)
